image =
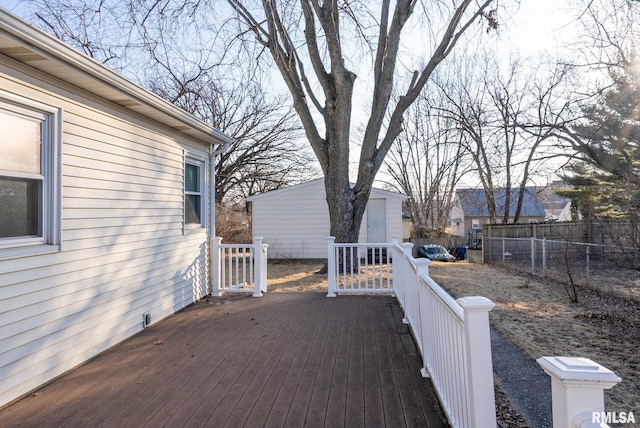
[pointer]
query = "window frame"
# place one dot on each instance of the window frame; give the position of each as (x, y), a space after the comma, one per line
(50, 192)
(475, 223)
(201, 163)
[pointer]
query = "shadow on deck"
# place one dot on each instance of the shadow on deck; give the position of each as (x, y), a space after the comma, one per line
(287, 359)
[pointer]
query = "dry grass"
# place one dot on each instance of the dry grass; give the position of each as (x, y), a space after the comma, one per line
(299, 275)
(537, 316)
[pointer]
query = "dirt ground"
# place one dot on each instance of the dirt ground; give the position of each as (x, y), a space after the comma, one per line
(533, 313)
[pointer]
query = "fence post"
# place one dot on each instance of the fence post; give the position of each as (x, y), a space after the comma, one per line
(533, 254)
(577, 389)
(544, 257)
(257, 267)
(478, 348)
(588, 267)
(215, 266)
(331, 266)
(407, 256)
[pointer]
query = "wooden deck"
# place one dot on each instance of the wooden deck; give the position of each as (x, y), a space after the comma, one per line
(287, 359)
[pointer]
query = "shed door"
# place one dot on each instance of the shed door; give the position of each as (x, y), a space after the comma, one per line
(377, 220)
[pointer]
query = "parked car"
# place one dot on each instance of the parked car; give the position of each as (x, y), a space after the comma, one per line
(435, 252)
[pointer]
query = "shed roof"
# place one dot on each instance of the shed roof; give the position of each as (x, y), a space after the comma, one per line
(375, 192)
(474, 202)
(30, 45)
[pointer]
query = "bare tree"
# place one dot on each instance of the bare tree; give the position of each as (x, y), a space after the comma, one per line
(314, 37)
(266, 153)
(499, 117)
(426, 163)
(203, 80)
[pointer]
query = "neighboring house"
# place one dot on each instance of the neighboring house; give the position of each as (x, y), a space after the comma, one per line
(470, 212)
(294, 221)
(556, 207)
(105, 207)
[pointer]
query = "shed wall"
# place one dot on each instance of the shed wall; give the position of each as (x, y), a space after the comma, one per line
(295, 222)
(123, 250)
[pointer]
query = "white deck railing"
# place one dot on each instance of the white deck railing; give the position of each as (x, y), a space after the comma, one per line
(453, 339)
(239, 268)
(452, 335)
(359, 268)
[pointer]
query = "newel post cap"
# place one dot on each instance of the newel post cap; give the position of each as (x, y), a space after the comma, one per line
(475, 303)
(577, 371)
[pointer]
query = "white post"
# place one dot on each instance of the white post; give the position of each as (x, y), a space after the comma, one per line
(577, 387)
(331, 266)
(398, 266)
(407, 249)
(422, 268)
(265, 247)
(257, 267)
(480, 367)
(215, 266)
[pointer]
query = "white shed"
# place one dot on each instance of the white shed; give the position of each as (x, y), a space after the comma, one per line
(294, 221)
(104, 207)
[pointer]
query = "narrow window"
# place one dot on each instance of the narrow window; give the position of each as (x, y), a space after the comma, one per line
(28, 185)
(193, 199)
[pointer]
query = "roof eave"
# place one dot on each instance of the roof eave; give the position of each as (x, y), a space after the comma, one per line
(42, 50)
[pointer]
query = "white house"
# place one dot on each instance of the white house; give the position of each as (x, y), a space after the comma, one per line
(294, 221)
(105, 207)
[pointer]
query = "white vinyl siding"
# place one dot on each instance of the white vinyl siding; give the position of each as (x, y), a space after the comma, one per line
(295, 221)
(123, 251)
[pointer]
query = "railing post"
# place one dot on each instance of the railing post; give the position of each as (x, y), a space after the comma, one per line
(478, 349)
(422, 268)
(577, 389)
(257, 266)
(215, 265)
(331, 266)
(263, 271)
(398, 270)
(407, 256)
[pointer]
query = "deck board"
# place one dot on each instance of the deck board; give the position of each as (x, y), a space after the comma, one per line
(286, 359)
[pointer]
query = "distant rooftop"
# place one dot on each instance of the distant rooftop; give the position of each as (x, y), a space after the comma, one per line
(474, 202)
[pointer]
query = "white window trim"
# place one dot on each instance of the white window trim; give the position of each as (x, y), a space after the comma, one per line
(50, 241)
(475, 223)
(201, 162)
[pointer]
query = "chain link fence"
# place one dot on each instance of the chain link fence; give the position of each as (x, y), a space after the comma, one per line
(578, 263)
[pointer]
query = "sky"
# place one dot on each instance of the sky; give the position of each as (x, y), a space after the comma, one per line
(535, 27)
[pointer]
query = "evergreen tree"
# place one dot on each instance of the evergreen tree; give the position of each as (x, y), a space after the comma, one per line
(606, 179)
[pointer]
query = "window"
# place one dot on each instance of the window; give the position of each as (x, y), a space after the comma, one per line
(28, 173)
(475, 223)
(194, 197)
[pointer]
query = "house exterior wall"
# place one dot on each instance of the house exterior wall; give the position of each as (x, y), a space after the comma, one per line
(123, 250)
(295, 221)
